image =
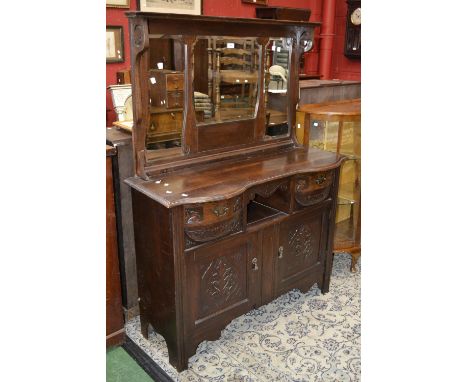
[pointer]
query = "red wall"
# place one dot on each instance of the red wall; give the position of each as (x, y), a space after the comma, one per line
(116, 16)
(235, 8)
(342, 67)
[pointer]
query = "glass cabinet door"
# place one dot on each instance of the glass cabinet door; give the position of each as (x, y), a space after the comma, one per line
(338, 133)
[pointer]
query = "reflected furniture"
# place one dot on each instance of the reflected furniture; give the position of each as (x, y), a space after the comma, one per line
(233, 211)
(336, 127)
(115, 331)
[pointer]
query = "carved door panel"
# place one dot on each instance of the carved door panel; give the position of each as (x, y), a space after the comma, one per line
(222, 283)
(301, 251)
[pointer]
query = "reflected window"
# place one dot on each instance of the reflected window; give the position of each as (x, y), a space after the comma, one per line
(225, 79)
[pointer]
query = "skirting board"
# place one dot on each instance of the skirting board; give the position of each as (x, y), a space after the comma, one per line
(145, 362)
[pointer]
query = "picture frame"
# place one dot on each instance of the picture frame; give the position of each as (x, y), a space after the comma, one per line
(256, 2)
(187, 7)
(114, 44)
(118, 3)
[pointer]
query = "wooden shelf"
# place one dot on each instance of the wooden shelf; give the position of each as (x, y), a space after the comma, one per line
(257, 212)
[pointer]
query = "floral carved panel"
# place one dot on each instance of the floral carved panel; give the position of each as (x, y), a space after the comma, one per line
(222, 282)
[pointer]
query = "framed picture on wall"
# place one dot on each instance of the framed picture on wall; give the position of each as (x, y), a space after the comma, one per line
(188, 7)
(258, 2)
(114, 44)
(118, 3)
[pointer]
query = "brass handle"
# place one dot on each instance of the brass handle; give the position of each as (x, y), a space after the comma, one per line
(254, 264)
(220, 211)
(320, 179)
(280, 252)
(173, 115)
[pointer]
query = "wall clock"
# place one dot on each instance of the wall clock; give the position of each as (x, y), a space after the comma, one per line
(352, 47)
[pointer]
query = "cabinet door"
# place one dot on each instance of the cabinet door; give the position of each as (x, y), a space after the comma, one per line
(302, 249)
(223, 283)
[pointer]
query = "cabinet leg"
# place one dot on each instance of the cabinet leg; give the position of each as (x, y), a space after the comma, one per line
(354, 258)
(180, 364)
(144, 323)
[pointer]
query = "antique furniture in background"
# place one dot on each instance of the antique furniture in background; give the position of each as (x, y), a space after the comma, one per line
(123, 168)
(283, 13)
(232, 212)
(352, 48)
(336, 127)
(122, 101)
(123, 77)
(319, 91)
(115, 331)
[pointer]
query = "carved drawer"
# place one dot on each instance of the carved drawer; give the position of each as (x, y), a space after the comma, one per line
(312, 188)
(204, 222)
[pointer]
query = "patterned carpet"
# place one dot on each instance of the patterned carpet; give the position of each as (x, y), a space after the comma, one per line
(298, 337)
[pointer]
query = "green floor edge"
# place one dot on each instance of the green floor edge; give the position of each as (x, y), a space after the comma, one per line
(121, 367)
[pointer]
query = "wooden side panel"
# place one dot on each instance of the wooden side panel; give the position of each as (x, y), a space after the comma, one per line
(114, 312)
(155, 269)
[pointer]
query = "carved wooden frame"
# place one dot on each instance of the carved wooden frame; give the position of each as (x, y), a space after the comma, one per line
(143, 25)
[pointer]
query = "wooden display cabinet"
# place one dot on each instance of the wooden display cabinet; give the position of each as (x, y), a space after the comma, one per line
(230, 215)
(336, 127)
(115, 331)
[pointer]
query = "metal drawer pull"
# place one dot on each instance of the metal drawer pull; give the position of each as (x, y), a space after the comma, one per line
(254, 264)
(320, 179)
(280, 252)
(220, 211)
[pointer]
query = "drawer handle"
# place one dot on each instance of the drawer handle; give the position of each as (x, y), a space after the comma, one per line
(280, 252)
(320, 179)
(173, 115)
(254, 264)
(220, 211)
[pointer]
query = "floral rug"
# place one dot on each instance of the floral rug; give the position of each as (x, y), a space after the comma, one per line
(297, 337)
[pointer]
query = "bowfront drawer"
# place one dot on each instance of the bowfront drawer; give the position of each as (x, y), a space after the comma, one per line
(312, 188)
(174, 82)
(204, 222)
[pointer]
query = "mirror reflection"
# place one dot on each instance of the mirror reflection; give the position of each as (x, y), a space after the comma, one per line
(166, 94)
(276, 84)
(225, 77)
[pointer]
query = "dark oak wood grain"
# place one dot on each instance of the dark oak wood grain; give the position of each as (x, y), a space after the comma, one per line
(226, 180)
(236, 217)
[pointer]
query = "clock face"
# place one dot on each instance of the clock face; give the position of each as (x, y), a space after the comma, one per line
(356, 16)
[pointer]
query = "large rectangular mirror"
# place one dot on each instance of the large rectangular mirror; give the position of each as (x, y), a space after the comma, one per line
(278, 53)
(225, 78)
